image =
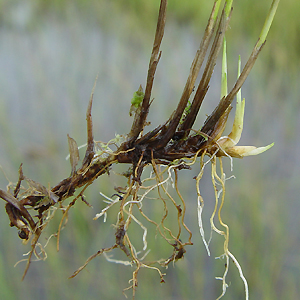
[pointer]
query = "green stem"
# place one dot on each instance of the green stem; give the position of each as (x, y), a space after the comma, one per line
(268, 22)
(224, 72)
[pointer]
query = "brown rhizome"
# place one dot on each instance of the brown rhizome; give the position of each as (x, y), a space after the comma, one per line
(167, 149)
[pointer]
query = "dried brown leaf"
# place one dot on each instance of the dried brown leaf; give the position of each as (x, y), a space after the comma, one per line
(74, 154)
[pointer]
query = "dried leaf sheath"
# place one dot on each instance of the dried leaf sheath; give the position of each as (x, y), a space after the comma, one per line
(139, 124)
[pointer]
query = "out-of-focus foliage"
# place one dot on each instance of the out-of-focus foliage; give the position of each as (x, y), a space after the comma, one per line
(247, 20)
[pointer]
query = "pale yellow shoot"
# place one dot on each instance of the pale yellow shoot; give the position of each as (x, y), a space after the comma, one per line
(242, 151)
(228, 143)
(238, 123)
(233, 138)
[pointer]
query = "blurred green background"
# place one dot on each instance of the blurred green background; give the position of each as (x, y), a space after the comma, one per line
(50, 55)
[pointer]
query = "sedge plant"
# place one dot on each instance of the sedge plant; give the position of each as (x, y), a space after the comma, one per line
(162, 152)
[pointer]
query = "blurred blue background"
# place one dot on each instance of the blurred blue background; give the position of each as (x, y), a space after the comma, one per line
(50, 55)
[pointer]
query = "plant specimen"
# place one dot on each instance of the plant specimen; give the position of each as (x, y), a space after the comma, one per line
(162, 152)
